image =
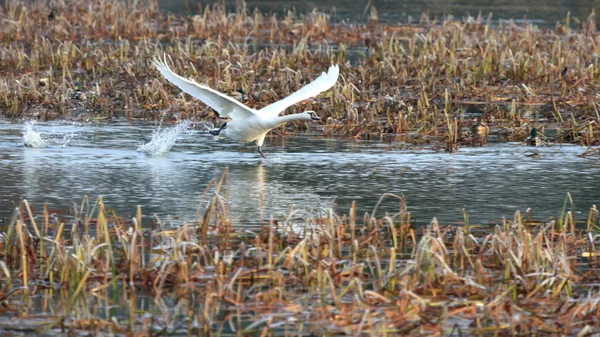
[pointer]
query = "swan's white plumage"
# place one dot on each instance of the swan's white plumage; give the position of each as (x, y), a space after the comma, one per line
(223, 104)
(322, 83)
(247, 124)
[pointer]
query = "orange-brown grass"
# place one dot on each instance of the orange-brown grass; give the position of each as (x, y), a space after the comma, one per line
(397, 79)
(307, 272)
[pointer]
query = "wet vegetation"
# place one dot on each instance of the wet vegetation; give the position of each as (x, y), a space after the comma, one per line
(307, 272)
(448, 82)
(428, 80)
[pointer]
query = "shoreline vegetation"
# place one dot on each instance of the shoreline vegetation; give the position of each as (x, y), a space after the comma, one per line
(91, 271)
(310, 272)
(426, 82)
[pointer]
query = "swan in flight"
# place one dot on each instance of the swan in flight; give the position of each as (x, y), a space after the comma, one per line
(246, 124)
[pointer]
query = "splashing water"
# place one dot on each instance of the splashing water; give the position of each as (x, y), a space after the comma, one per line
(32, 138)
(163, 140)
(66, 139)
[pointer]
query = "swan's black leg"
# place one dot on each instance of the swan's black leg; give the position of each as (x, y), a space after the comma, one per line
(261, 153)
(216, 132)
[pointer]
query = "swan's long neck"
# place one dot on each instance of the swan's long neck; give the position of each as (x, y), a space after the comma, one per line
(289, 118)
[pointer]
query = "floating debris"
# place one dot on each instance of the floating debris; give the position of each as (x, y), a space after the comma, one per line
(532, 154)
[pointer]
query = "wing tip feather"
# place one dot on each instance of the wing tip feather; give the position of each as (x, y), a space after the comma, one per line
(161, 63)
(333, 73)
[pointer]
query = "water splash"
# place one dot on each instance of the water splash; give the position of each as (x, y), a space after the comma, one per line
(66, 139)
(163, 139)
(32, 138)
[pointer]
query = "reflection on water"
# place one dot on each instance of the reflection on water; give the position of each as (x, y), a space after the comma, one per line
(120, 307)
(537, 11)
(489, 182)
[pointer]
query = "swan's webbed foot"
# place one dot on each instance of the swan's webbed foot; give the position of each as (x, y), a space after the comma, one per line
(261, 152)
(216, 132)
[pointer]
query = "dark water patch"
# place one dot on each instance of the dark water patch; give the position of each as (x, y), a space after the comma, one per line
(536, 11)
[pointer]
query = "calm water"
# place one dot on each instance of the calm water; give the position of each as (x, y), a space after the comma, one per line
(307, 172)
(538, 11)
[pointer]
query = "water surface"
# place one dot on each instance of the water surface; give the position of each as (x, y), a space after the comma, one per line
(542, 12)
(302, 171)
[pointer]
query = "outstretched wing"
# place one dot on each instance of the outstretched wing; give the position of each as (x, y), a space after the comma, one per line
(324, 82)
(224, 105)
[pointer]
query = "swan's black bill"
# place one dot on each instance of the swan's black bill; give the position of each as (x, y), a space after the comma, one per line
(313, 116)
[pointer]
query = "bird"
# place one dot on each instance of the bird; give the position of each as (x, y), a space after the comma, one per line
(52, 14)
(480, 131)
(534, 140)
(246, 124)
(240, 95)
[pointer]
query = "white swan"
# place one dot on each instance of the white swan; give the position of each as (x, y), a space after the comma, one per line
(246, 124)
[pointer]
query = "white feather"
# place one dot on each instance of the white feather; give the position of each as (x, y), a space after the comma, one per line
(224, 105)
(322, 83)
(247, 124)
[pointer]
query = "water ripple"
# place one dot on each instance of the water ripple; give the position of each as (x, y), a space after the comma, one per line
(490, 182)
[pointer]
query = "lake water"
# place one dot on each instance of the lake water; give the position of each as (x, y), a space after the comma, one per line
(537, 11)
(305, 171)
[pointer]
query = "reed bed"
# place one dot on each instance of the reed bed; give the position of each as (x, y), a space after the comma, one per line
(309, 272)
(429, 79)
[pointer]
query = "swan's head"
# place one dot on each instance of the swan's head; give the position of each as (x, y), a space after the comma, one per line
(311, 115)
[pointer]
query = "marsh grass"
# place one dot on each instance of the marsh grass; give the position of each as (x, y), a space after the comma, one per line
(91, 60)
(312, 271)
